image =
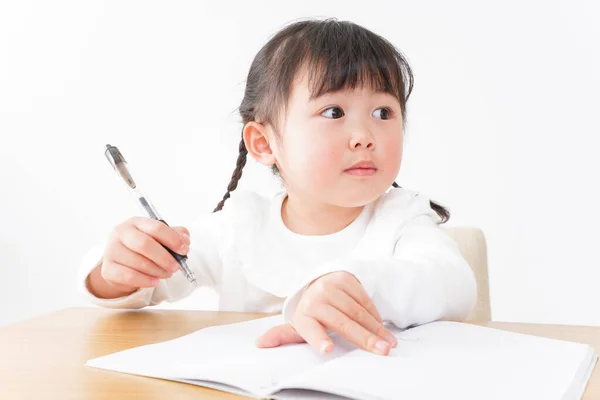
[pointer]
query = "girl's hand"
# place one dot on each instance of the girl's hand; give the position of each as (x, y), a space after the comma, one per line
(134, 257)
(339, 302)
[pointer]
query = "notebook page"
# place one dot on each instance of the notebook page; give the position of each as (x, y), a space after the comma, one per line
(449, 359)
(224, 354)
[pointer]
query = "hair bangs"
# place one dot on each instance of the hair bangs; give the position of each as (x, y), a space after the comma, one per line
(344, 56)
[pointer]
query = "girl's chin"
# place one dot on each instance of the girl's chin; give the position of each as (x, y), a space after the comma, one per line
(357, 198)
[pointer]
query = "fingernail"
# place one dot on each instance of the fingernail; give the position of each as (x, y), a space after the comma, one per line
(391, 338)
(381, 347)
(185, 237)
(175, 267)
(325, 346)
(155, 282)
(184, 248)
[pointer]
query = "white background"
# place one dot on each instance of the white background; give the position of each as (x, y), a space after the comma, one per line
(502, 129)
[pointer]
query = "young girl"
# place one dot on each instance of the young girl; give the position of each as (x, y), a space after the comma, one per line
(342, 247)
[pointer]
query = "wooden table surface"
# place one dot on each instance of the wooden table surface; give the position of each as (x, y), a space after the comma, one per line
(44, 357)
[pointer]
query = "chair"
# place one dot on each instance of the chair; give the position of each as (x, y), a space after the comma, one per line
(472, 244)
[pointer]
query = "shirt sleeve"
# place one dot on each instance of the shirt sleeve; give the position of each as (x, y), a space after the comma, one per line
(208, 235)
(425, 279)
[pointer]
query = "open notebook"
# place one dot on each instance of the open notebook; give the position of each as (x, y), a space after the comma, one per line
(432, 361)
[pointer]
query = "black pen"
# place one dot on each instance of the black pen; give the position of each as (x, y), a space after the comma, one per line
(118, 162)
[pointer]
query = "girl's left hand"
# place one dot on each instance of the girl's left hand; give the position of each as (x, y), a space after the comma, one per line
(335, 301)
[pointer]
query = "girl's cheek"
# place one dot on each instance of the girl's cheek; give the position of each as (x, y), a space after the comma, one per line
(326, 157)
(393, 154)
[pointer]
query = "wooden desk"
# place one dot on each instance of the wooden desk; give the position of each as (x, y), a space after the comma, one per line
(44, 357)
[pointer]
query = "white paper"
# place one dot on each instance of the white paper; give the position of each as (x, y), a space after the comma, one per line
(457, 360)
(225, 353)
(432, 361)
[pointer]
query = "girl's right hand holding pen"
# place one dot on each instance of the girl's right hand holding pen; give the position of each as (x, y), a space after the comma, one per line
(134, 257)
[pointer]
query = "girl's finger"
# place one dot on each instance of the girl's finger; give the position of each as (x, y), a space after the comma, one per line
(313, 333)
(138, 262)
(338, 322)
(278, 336)
(183, 232)
(147, 246)
(355, 289)
(123, 275)
(161, 233)
(347, 305)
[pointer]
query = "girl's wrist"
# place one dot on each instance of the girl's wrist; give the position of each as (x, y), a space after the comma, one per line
(103, 289)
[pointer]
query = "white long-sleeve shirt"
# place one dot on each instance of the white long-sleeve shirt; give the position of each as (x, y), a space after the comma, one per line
(412, 269)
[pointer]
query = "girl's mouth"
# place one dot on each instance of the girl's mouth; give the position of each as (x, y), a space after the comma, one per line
(361, 171)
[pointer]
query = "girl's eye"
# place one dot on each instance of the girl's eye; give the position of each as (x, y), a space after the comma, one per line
(337, 113)
(385, 113)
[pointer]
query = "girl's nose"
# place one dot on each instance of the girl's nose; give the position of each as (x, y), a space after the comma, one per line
(362, 139)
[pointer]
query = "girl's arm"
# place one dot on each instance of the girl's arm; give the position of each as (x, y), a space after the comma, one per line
(426, 278)
(204, 258)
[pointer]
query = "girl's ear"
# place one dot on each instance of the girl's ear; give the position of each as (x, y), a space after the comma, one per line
(257, 140)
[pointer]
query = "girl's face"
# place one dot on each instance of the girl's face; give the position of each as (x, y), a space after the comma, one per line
(322, 138)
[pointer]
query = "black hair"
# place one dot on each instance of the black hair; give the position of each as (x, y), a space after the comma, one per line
(337, 55)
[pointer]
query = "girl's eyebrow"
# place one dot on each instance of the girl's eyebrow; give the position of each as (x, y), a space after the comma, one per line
(314, 96)
(329, 93)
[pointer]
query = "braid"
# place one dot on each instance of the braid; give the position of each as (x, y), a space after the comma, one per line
(441, 211)
(235, 177)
